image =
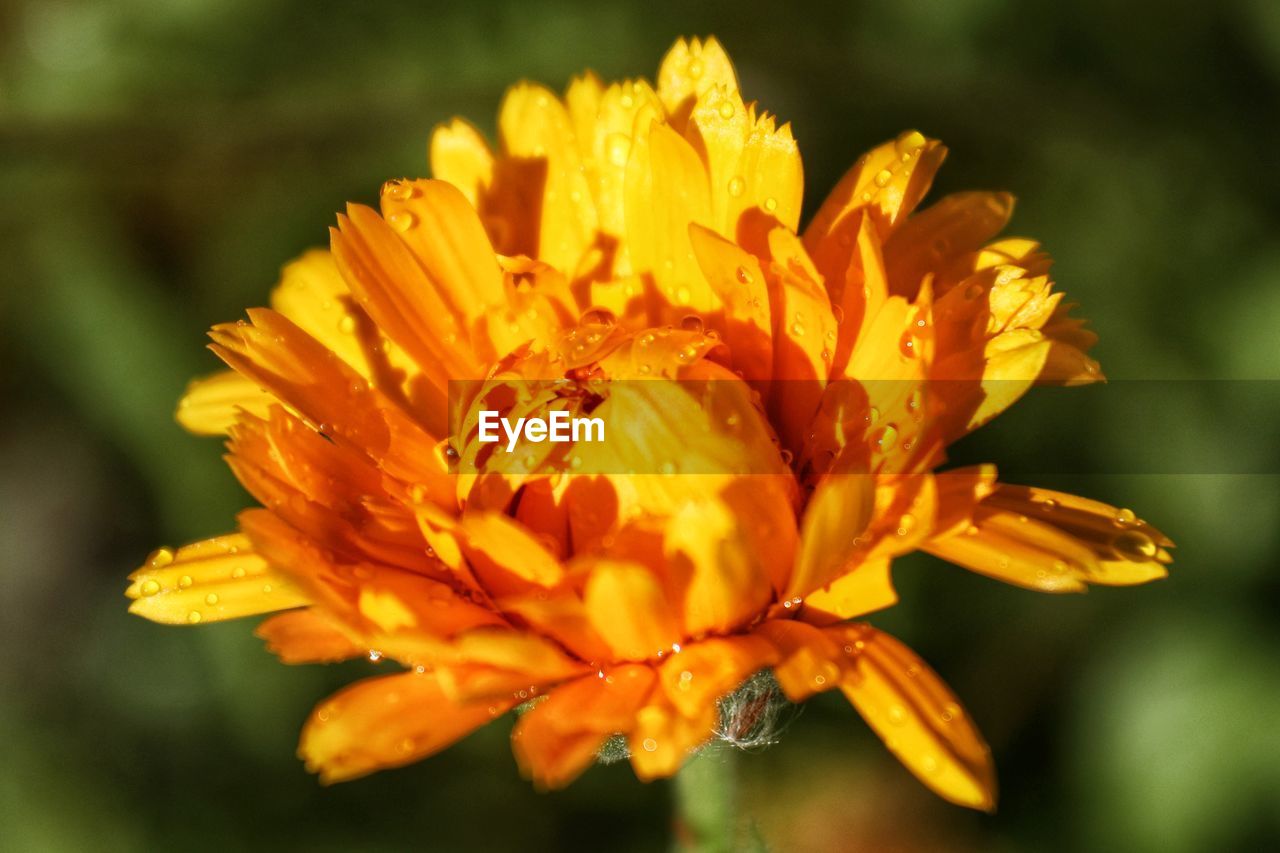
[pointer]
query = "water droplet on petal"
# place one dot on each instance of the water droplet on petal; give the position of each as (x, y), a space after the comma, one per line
(1125, 517)
(150, 588)
(194, 617)
(883, 177)
(401, 220)
(737, 186)
(726, 110)
(691, 323)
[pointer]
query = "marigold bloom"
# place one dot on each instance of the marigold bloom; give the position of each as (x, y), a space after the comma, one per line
(625, 233)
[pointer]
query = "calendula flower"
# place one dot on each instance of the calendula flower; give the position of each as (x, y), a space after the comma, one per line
(779, 399)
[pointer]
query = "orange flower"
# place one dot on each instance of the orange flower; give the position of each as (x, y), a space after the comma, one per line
(779, 402)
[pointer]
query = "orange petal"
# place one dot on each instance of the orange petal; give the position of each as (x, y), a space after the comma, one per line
(443, 231)
(917, 717)
(307, 636)
(560, 737)
(502, 550)
(334, 398)
(663, 738)
(703, 672)
(387, 722)
(626, 606)
(493, 661)
(402, 298)
(212, 404)
(209, 581)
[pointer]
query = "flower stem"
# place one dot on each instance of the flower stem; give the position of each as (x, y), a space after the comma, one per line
(706, 794)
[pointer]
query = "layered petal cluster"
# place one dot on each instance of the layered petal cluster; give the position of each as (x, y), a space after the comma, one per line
(635, 248)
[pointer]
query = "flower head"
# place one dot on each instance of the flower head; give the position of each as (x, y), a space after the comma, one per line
(780, 401)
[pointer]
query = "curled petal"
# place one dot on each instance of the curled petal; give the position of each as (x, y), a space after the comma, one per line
(307, 636)
(559, 737)
(387, 722)
(459, 155)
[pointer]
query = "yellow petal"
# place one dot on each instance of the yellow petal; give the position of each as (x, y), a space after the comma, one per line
(459, 155)
(1018, 550)
(534, 126)
(917, 717)
(212, 404)
(751, 163)
(1128, 550)
(837, 514)
(887, 183)
(690, 69)
(387, 722)
(209, 581)
(951, 227)
(865, 589)
(627, 608)
(666, 190)
(726, 584)
(737, 280)
(313, 295)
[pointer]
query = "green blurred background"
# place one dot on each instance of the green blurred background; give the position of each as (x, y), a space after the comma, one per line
(159, 161)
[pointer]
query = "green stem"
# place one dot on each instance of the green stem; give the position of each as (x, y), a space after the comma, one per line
(706, 795)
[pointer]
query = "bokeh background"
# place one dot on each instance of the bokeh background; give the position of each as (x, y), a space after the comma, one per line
(159, 161)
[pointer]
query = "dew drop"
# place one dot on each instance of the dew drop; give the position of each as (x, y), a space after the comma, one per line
(695, 68)
(650, 745)
(744, 277)
(726, 110)
(797, 329)
(883, 177)
(691, 323)
(347, 324)
(683, 294)
(211, 599)
(599, 317)
(397, 191)
(1134, 545)
(185, 581)
(194, 616)
(619, 147)
(401, 220)
(770, 204)
(150, 588)
(1125, 517)
(885, 437)
(160, 557)
(737, 186)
